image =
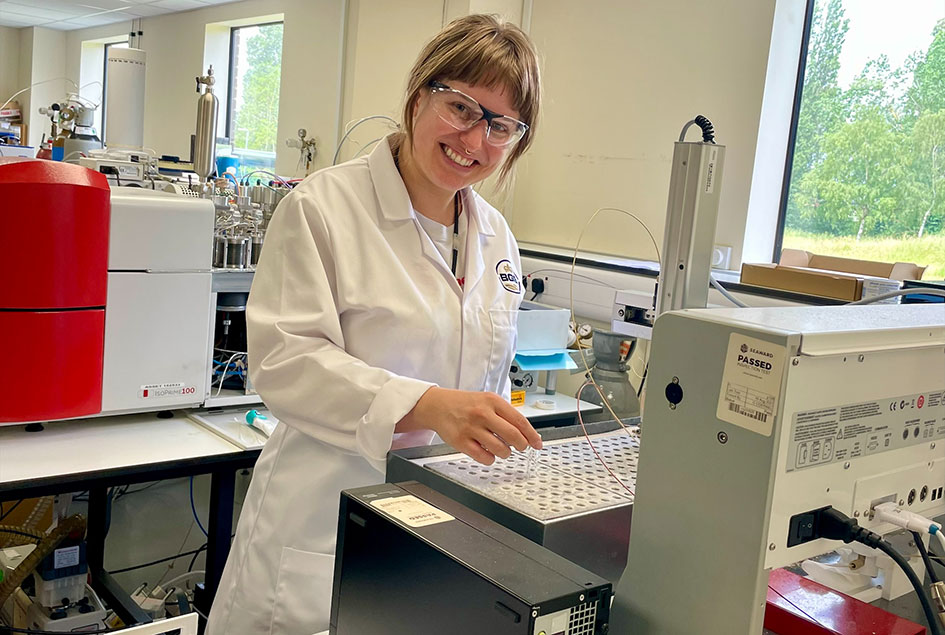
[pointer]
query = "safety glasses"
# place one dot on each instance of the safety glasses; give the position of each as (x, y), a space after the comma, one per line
(463, 112)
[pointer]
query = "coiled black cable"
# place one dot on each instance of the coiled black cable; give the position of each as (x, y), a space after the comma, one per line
(708, 131)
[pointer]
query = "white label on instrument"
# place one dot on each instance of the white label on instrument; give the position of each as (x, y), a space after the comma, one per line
(710, 171)
(848, 431)
(158, 391)
(412, 511)
(751, 382)
(66, 557)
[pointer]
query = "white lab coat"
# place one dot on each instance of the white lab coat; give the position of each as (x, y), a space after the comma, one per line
(353, 315)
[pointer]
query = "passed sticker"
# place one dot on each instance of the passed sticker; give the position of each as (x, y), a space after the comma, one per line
(751, 383)
(518, 397)
(412, 511)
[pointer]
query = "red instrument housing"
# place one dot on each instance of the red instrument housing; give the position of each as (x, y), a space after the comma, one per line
(53, 289)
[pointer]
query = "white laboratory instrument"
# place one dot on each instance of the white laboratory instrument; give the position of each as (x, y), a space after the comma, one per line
(124, 99)
(757, 420)
(695, 188)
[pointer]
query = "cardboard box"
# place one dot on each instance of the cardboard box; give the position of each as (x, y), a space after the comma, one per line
(830, 276)
(11, 111)
(18, 129)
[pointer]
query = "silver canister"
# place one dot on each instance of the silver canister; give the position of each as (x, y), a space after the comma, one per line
(256, 248)
(219, 251)
(205, 148)
(237, 252)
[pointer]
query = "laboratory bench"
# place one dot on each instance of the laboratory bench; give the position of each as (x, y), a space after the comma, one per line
(98, 453)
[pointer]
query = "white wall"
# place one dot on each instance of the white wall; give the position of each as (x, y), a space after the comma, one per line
(25, 70)
(621, 78)
(9, 62)
(47, 62)
(311, 69)
(376, 63)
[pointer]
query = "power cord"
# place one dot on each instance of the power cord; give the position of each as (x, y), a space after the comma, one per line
(834, 525)
(920, 545)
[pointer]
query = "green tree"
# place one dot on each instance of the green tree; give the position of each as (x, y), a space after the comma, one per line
(875, 88)
(927, 172)
(254, 125)
(822, 105)
(856, 181)
(927, 92)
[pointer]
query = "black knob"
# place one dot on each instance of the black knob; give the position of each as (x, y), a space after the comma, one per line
(674, 393)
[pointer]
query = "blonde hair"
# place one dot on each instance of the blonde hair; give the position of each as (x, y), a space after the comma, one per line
(481, 50)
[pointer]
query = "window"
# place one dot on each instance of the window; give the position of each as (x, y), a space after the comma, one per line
(108, 46)
(252, 109)
(867, 173)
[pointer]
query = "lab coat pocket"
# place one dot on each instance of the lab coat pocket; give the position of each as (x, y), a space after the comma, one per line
(504, 322)
(303, 593)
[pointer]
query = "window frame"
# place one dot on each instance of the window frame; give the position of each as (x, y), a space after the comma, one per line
(231, 72)
(792, 131)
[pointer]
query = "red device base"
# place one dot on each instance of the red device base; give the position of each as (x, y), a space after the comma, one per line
(800, 606)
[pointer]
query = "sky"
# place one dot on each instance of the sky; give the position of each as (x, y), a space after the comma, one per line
(896, 28)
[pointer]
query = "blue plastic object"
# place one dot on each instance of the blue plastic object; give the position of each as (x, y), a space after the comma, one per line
(227, 162)
(252, 415)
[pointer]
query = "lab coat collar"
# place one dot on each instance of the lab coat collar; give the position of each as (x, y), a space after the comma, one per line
(394, 200)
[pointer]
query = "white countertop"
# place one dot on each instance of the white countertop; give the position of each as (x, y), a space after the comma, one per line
(564, 405)
(101, 443)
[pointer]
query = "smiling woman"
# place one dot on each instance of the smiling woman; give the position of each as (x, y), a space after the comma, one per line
(383, 313)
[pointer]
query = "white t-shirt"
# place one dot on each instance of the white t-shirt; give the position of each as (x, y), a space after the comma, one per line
(442, 237)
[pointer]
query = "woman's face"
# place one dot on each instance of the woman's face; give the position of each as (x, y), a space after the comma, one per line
(452, 159)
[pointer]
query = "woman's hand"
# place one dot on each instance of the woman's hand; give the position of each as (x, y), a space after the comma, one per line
(481, 425)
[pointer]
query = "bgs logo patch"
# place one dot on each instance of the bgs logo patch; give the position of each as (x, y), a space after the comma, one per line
(507, 276)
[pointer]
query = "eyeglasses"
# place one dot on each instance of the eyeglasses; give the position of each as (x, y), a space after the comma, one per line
(463, 112)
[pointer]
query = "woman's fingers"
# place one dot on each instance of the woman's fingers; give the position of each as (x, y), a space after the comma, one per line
(493, 444)
(476, 452)
(517, 419)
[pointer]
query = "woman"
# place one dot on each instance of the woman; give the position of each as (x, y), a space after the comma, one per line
(383, 311)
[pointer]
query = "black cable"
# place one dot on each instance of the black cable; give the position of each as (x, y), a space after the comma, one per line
(182, 554)
(127, 491)
(534, 296)
(937, 559)
(835, 525)
(19, 533)
(10, 511)
(708, 131)
(935, 626)
(193, 560)
(920, 545)
(31, 631)
(642, 380)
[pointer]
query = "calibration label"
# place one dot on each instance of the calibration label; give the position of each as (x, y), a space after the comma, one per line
(840, 433)
(412, 511)
(751, 382)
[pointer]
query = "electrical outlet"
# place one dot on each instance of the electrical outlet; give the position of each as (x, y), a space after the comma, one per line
(721, 257)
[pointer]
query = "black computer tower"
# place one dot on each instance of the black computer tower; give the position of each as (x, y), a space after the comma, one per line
(411, 561)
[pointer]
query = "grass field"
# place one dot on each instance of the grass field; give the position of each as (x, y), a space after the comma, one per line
(928, 250)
